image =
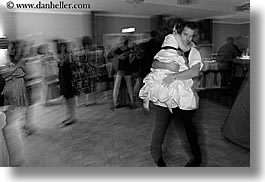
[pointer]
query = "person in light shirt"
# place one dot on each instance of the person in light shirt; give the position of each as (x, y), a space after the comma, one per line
(163, 115)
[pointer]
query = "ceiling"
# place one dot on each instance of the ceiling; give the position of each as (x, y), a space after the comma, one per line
(222, 11)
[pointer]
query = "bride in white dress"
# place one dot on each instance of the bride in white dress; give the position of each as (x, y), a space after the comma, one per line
(179, 93)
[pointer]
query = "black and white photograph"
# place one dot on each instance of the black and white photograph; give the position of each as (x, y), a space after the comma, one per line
(126, 83)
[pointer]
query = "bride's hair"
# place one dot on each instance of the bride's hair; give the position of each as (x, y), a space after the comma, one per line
(170, 24)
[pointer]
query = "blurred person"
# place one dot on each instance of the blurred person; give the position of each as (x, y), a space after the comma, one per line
(90, 70)
(229, 50)
(112, 62)
(110, 79)
(123, 71)
(135, 58)
(150, 48)
(102, 74)
(227, 53)
(65, 80)
(15, 91)
(79, 79)
(112, 68)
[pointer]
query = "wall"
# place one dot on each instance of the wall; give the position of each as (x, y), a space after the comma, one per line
(222, 31)
(111, 24)
(7, 24)
(41, 27)
(156, 22)
(46, 26)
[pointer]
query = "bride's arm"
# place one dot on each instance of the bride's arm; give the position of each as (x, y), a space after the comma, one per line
(184, 75)
(172, 66)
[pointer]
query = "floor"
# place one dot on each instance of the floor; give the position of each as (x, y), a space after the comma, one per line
(121, 138)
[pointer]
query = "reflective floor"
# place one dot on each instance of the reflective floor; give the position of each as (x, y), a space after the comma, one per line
(102, 137)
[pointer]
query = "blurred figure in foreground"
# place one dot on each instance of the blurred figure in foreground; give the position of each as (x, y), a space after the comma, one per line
(15, 88)
(65, 79)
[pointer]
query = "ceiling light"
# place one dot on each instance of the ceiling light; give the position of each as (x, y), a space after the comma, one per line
(128, 30)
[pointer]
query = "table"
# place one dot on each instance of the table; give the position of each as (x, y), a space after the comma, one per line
(241, 66)
(210, 76)
(216, 74)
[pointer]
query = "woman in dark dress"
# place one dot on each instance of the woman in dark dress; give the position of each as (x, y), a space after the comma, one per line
(65, 79)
